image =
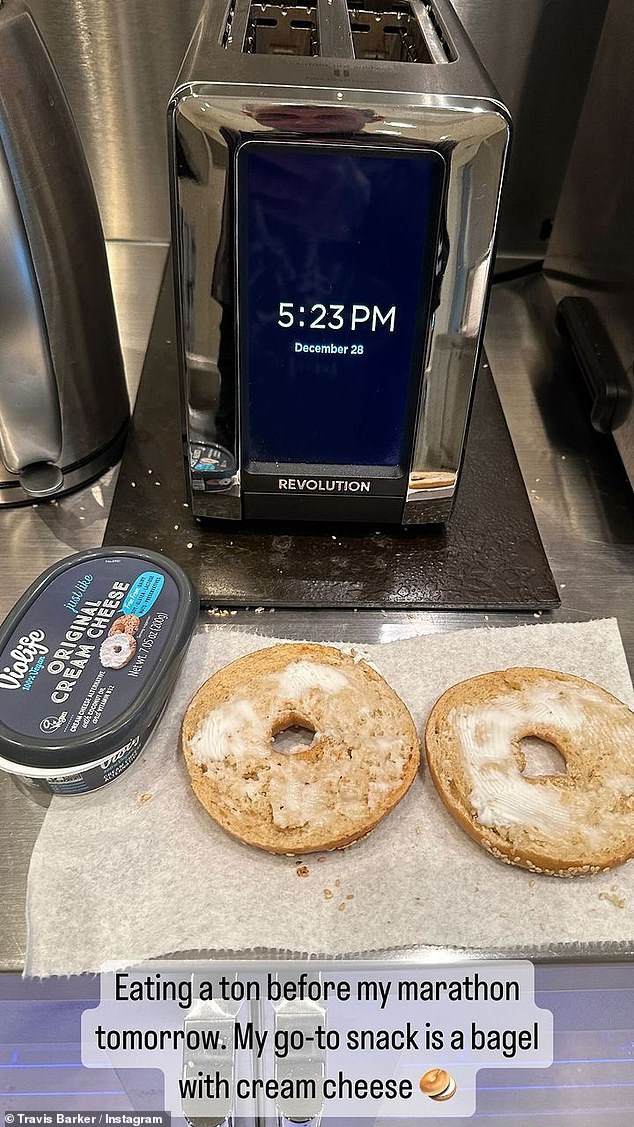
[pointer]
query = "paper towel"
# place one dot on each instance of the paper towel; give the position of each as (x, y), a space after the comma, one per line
(140, 870)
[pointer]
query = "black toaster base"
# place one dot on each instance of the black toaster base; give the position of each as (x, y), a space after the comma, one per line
(272, 506)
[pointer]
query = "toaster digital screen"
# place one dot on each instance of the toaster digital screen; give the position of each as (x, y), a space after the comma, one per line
(336, 266)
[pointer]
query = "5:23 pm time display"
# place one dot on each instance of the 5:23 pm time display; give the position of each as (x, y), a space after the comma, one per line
(333, 317)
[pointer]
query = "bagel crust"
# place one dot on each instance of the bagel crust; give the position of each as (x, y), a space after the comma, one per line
(362, 760)
(567, 824)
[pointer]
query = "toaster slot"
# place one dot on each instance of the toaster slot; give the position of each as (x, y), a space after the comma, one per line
(282, 29)
(391, 31)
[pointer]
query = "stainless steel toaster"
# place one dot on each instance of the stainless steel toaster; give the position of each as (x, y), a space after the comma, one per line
(336, 170)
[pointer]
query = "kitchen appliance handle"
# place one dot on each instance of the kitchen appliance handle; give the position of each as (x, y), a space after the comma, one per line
(30, 418)
(579, 322)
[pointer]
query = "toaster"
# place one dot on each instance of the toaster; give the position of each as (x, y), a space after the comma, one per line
(336, 170)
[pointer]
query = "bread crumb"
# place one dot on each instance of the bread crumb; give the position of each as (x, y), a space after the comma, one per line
(531, 884)
(337, 883)
(350, 896)
(303, 871)
(328, 894)
(613, 897)
(145, 798)
(320, 860)
(342, 907)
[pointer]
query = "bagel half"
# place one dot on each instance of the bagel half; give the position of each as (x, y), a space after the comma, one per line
(564, 824)
(362, 760)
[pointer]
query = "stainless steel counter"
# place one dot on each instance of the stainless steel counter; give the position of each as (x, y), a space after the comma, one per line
(580, 497)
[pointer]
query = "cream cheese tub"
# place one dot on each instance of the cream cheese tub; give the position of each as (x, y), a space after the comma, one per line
(88, 659)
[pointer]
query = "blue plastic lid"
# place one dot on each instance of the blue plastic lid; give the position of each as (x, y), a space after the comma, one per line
(89, 655)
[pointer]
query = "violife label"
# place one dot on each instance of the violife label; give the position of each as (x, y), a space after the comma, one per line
(84, 648)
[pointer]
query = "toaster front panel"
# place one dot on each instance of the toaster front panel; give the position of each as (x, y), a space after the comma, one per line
(332, 254)
(333, 309)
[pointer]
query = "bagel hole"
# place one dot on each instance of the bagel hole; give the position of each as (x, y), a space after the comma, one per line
(293, 738)
(539, 758)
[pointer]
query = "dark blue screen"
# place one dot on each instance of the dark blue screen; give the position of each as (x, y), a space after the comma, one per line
(336, 258)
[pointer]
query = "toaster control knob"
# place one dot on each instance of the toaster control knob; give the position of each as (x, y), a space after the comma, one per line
(41, 479)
